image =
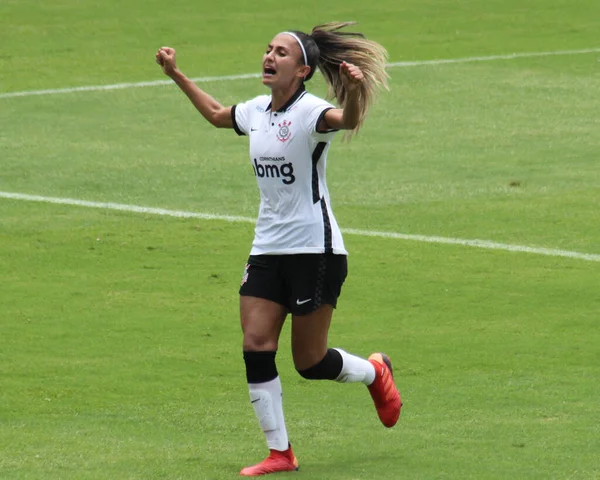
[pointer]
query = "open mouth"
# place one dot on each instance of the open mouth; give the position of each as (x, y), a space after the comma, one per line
(268, 71)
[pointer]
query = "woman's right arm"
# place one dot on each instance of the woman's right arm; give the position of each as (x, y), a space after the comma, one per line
(215, 113)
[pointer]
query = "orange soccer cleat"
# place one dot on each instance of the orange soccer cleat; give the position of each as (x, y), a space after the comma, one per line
(383, 390)
(277, 461)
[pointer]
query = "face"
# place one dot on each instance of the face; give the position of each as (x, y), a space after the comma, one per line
(283, 62)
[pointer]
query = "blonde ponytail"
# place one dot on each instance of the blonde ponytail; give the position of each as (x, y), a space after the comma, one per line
(336, 47)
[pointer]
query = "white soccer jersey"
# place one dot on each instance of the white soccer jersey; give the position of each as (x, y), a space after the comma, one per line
(289, 159)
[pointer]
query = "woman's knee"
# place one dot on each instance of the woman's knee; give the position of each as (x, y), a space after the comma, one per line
(261, 321)
(260, 342)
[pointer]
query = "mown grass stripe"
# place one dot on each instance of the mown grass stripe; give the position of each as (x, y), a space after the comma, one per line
(476, 243)
(417, 63)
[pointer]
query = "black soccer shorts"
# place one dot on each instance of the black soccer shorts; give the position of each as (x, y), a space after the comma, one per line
(299, 282)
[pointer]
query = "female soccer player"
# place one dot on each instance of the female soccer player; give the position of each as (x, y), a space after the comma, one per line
(297, 263)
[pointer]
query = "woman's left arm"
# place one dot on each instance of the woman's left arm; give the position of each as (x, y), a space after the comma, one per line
(348, 117)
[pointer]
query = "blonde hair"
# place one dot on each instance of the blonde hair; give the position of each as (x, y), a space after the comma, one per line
(327, 47)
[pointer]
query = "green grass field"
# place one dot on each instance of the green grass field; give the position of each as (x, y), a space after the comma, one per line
(120, 345)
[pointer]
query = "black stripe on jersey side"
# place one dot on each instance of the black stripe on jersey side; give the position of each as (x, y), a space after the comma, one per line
(327, 238)
(321, 118)
(235, 125)
(316, 156)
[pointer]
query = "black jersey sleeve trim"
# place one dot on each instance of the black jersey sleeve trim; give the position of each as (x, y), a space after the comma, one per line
(321, 116)
(234, 122)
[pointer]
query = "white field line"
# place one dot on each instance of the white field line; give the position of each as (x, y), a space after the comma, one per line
(590, 257)
(154, 83)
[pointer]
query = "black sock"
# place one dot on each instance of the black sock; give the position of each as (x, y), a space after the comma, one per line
(260, 366)
(329, 368)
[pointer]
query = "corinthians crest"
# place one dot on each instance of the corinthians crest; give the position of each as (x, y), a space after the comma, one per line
(284, 133)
